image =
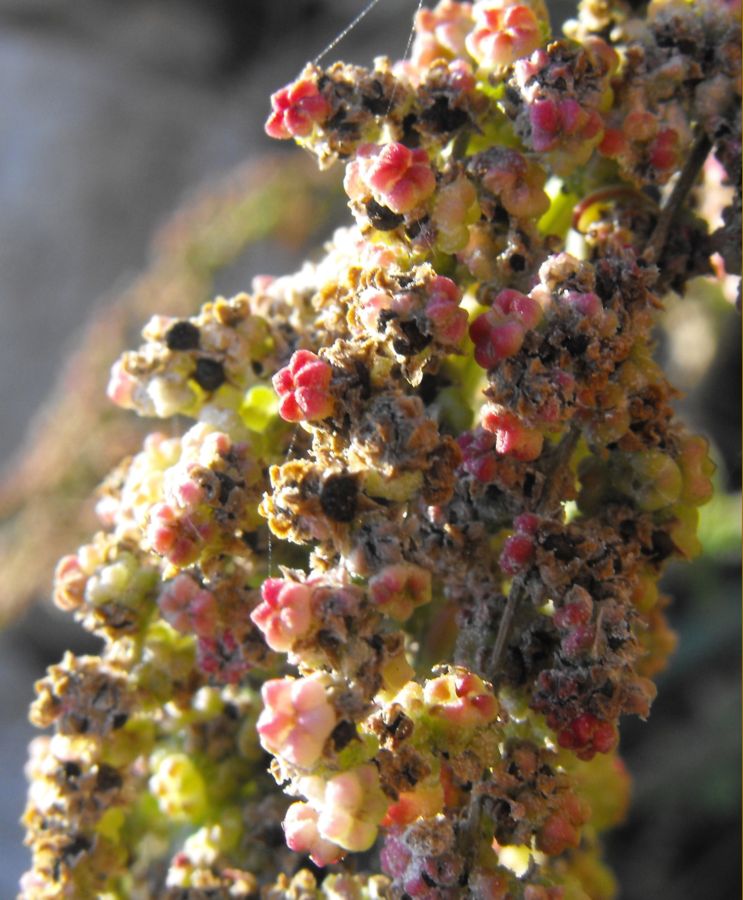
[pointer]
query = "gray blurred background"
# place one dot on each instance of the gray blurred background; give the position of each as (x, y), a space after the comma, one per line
(111, 115)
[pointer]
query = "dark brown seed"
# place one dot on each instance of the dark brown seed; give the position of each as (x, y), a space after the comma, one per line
(382, 217)
(339, 496)
(209, 374)
(183, 335)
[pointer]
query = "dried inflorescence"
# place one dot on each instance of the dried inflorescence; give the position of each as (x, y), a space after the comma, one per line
(407, 557)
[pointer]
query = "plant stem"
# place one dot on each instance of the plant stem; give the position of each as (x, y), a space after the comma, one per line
(556, 464)
(699, 151)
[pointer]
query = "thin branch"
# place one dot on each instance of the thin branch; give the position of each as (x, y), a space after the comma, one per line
(504, 629)
(699, 152)
(556, 463)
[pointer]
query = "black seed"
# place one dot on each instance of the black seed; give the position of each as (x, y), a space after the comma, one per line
(364, 380)
(108, 778)
(385, 316)
(529, 482)
(377, 103)
(500, 216)
(560, 545)
(337, 119)
(607, 689)
(339, 497)
(517, 262)
(410, 136)
(382, 217)
(414, 229)
(663, 546)
(348, 130)
(342, 735)
(330, 644)
(272, 836)
(414, 340)
(183, 335)
(428, 389)
(71, 770)
(79, 844)
(209, 373)
(441, 117)
(225, 486)
(576, 344)
(250, 539)
(376, 642)
(119, 720)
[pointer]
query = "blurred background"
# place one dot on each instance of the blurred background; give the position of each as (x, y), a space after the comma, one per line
(135, 178)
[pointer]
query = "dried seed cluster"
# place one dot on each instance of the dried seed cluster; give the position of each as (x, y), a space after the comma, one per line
(406, 559)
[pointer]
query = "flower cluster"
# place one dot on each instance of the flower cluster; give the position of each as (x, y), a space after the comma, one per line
(406, 556)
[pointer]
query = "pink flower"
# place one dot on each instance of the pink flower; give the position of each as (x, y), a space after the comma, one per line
(188, 607)
(517, 182)
(372, 302)
(222, 657)
(350, 806)
(478, 454)
(504, 31)
(285, 614)
(552, 120)
(69, 583)
(588, 735)
(303, 836)
(296, 109)
(303, 388)
(526, 523)
(512, 436)
(518, 551)
(179, 538)
(520, 306)
(426, 800)
(561, 829)
(121, 386)
(448, 320)
(440, 32)
(461, 699)
(499, 333)
(395, 176)
(665, 151)
(455, 208)
(495, 338)
(587, 304)
(296, 720)
(400, 589)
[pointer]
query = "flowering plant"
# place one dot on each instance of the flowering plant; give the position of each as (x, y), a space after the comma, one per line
(406, 556)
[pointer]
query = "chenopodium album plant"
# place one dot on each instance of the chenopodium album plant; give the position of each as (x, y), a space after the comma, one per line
(404, 562)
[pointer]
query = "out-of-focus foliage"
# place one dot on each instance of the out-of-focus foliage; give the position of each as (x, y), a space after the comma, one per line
(46, 494)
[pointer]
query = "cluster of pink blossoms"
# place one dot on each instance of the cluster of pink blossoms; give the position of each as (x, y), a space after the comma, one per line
(391, 174)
